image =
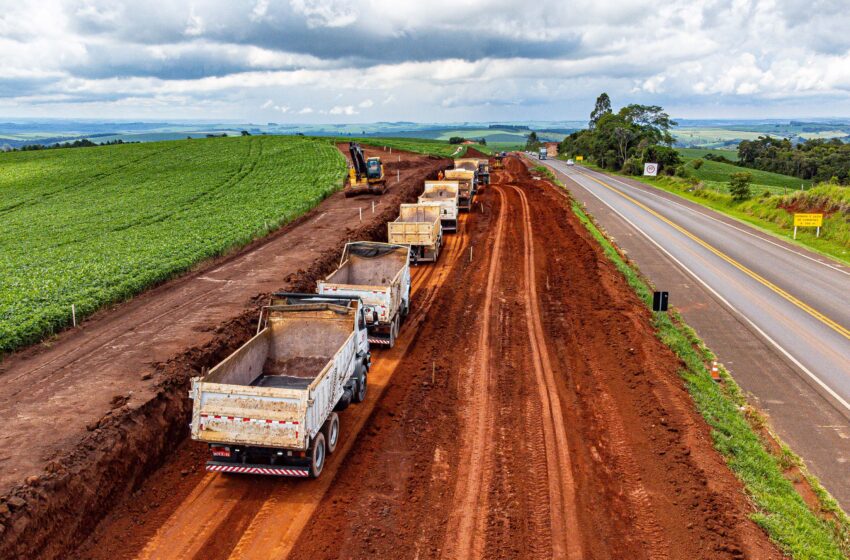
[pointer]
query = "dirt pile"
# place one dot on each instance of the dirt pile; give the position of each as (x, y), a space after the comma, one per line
(90, 469)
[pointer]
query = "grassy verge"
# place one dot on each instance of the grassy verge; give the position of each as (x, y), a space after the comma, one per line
(780, 510)
(768, 213)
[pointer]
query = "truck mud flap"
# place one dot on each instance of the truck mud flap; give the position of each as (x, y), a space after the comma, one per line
(449, 225)
(266, 470)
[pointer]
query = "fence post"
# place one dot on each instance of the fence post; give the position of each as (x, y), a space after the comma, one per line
(74, 314)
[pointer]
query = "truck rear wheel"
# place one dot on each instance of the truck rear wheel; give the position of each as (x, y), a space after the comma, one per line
(394, 330)
(331, 432)
(317, 455)
(360, 394)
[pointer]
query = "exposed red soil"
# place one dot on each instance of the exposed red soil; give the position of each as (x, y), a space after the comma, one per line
(473, 153)
(88, 416)
(539, 339)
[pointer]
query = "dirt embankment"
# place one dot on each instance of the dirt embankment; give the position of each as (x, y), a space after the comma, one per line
(539, 417)
(86, 466)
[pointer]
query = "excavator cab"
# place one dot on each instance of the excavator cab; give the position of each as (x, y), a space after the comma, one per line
(374, 169)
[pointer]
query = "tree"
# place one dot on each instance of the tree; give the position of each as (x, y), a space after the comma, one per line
(739, 186)
(624, 137)
(697, 163)
(483, 141)
(603, 107)
(653, 122)
(456, 140)
(532, 143)
(246, 133)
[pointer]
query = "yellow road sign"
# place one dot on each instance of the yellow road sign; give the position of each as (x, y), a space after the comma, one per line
(808, 220)
(579, 158)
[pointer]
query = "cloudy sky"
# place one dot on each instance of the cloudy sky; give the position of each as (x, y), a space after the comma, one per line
(421, 60)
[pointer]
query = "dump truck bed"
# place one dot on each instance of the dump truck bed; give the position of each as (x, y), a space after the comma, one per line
(377, 273)
(279, 387)
(418, 225)
(446, 194)
(465, 179)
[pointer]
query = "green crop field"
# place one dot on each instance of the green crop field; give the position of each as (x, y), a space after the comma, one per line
(715, 174)
(92, 226)
(689, 154)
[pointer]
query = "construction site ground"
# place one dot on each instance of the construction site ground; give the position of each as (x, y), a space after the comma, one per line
(527, 410)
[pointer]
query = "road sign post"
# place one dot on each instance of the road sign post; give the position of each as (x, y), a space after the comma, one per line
(650, 169)
(808, 220)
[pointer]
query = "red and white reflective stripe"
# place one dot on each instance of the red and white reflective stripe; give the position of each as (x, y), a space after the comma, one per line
(378, 341)
(256, 420)
(274, 471)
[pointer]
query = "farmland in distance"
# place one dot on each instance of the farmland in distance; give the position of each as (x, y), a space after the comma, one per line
(93, 226)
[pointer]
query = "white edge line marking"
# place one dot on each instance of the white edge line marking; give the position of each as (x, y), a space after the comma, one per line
(695, 211)
(787, 354)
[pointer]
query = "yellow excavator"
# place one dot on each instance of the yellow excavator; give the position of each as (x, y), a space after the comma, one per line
(365, 176)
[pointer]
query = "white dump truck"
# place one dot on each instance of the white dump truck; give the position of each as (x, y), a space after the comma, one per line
(379, 274)
(418, 226)
(446, 194)
(466, 184)
(471, 164)
(271, 407)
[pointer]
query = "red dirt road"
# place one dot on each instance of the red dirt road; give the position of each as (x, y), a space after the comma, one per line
(88, 415)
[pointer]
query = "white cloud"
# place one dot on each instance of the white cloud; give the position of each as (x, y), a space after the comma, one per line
(306, 111)
(481, 59)
(343, 110)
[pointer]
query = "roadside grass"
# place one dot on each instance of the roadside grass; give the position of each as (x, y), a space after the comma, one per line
(768, 212)
(780, 510)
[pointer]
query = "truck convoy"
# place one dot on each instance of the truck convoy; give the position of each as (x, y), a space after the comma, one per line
(446, 194)
(378, 274)
(418, 226)
(271, 407)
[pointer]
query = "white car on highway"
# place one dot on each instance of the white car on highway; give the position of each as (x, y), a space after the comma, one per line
(570, 162)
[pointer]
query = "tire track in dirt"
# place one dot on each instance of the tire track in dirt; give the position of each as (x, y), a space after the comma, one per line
(467, 518)
(562, 506)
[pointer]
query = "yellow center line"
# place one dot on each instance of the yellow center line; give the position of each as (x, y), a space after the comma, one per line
(802, 305)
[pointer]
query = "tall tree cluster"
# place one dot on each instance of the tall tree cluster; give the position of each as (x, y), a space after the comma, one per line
(818, 160)
(627, 139)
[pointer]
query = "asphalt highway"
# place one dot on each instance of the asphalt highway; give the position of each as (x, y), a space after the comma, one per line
(777, 314)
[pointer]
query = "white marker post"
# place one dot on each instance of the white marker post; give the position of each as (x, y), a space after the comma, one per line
(361, 214)
(74, 314)
(373, 206)
(795, 232)
(397, 176)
